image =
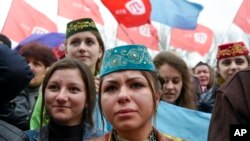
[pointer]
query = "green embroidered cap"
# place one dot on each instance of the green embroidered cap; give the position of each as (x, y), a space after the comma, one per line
(80, 25)
(128, 57)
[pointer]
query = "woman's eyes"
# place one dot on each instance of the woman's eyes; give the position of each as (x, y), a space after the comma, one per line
(37, 64)
(77, 42)
(239, 61)
(176, 81)
(136, 85)
(226, 62)
(53, 88)
(89, 42)
(109, 89)
(74, 90)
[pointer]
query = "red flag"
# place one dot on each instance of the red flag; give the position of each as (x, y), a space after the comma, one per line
(77, 9)
(242, 18)
(198, 40)
(145, 34)
(23, 20)
(130, 13)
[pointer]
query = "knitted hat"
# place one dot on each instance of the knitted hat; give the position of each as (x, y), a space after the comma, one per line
(231, 49)
(127, 57)
(80, 25)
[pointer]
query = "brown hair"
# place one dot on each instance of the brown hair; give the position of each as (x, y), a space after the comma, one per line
(99, 62)
(70, 63)
(38, 52)
(187, 97)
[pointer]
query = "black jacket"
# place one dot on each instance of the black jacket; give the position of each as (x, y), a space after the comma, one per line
(18, 111)
(9, 132)
(15, 74)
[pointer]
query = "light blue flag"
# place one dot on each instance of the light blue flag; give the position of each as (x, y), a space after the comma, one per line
(176, 13)
(180, 122)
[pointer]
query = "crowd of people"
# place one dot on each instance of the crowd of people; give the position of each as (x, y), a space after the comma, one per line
(113, 95)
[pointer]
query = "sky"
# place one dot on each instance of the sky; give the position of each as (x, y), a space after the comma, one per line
(217, 15)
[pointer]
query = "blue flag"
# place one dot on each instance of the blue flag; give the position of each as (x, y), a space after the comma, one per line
(176, 13)
(180, 122)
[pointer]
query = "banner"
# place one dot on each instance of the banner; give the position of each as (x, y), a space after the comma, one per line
(23, 20)
(176, 13)
(184, 123)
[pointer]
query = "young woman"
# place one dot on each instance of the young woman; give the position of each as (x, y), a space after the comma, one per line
(231, 57)
(129, 93)
(83, 42)
(68, 93)
(176, 80)
(231, 106)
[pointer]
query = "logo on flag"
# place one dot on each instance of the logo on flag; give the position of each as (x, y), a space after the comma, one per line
(135, 7)
(130, 13)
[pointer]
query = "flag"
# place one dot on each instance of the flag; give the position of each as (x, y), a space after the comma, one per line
(23, 20)
(176, 13)
(145, 34)
(130, 13)
(77, 9)
(180, 122)
(198, 40)
(242, 18)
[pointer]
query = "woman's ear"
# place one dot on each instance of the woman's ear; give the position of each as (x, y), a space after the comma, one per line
(158, 96)
(65, 48)
(100, 53)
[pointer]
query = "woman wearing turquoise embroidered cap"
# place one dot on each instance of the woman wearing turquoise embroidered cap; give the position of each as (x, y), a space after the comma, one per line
(129, 94)
(83, 42)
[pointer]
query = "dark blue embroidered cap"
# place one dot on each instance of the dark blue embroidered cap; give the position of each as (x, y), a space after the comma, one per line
(127, 57)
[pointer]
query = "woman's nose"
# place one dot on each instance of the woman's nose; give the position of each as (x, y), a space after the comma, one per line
(62, 96)
(123, 96)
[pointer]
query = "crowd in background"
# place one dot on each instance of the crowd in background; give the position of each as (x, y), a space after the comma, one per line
(95, 94)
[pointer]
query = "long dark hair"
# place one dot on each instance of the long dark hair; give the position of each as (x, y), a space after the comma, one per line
(87, 76)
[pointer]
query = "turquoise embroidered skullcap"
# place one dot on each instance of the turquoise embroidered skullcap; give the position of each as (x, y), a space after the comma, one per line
(128, 57)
